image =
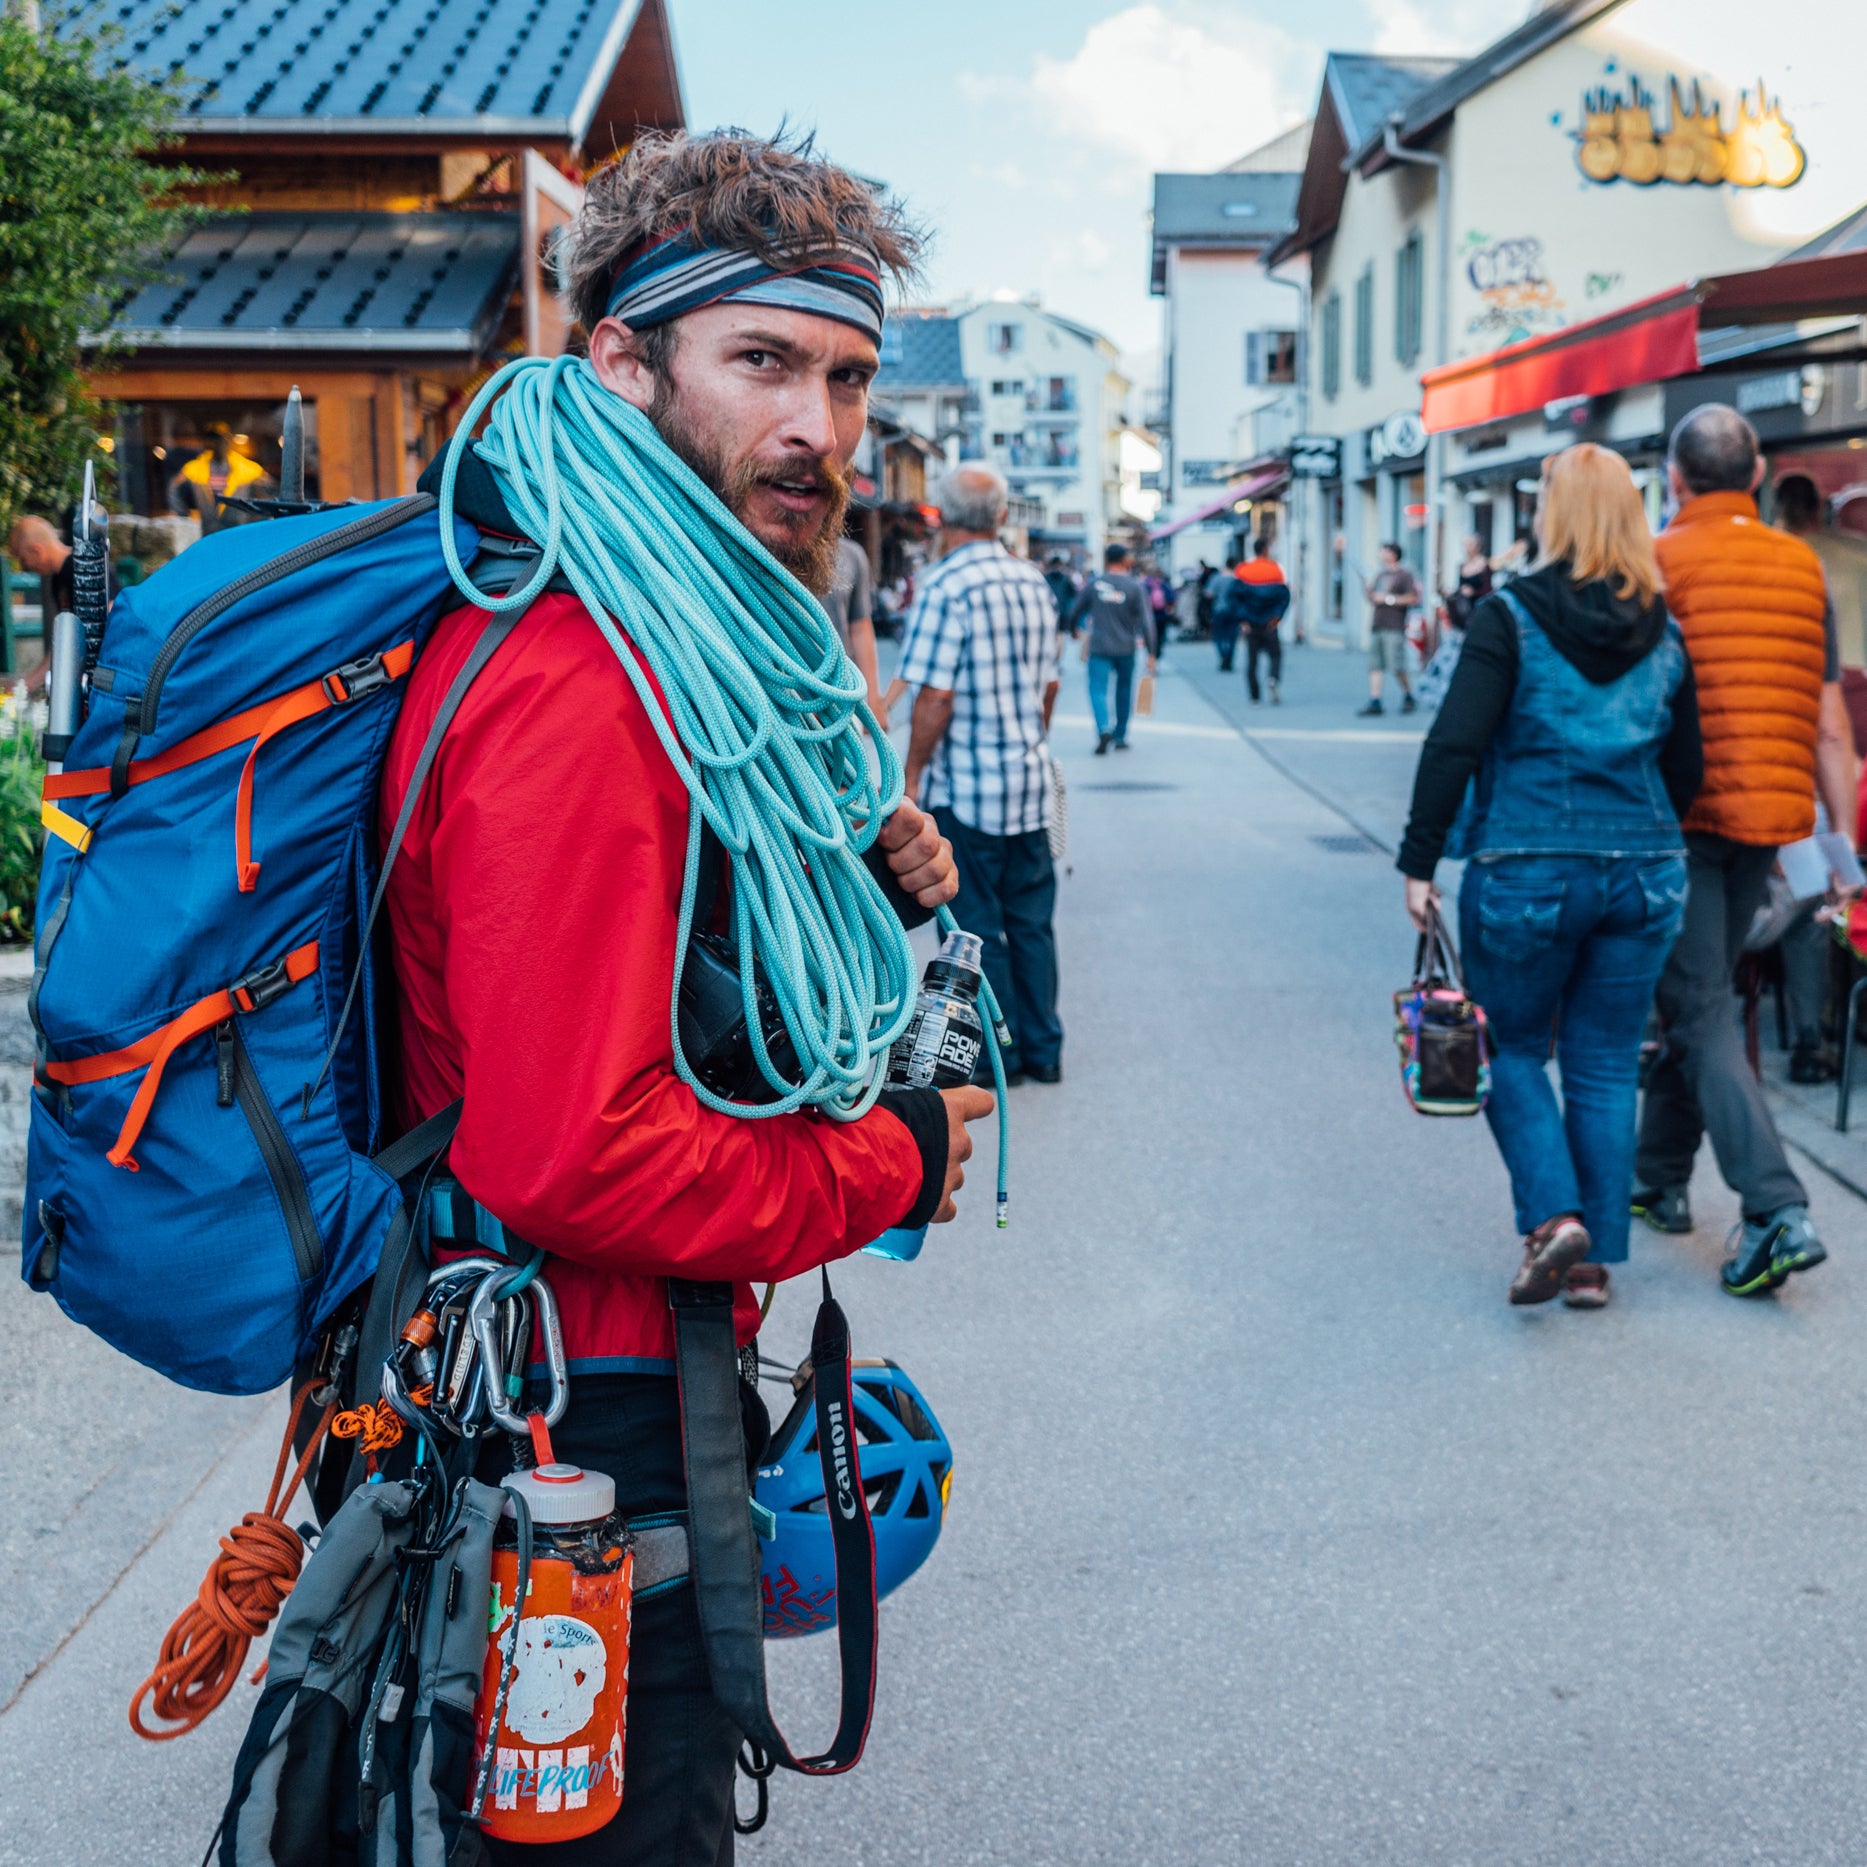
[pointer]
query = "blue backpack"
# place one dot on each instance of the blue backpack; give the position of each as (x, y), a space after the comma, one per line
(201, 1182)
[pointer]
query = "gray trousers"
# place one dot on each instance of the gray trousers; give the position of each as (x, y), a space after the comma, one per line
(1701, 1083)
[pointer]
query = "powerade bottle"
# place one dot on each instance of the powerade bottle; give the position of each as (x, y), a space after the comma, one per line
(939, 1050)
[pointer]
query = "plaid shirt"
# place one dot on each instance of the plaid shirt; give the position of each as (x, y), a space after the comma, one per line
(984, 627)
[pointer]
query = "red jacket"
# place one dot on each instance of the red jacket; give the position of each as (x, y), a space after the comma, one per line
(533, 909)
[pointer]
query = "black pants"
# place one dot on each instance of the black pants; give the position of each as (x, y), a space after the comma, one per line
(1263, 642)
(1701, 1083)
(1008, 897)
(680, 1751)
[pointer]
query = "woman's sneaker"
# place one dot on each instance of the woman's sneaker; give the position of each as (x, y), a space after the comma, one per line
(1548, 1253)
(1586, 1287)
(1666, 1209)
(1770, 1251)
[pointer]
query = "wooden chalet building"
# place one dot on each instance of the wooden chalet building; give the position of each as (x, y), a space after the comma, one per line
(403, 167)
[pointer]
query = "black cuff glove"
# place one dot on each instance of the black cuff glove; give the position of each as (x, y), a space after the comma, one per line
(923, 1112)
(908, 911)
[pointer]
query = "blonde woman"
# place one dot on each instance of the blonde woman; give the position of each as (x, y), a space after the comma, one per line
(1560, 764)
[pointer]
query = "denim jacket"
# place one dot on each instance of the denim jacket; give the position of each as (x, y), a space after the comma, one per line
(1574, 768)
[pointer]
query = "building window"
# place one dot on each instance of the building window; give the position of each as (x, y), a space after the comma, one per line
(1409, 299)
(1008, 385)
(1332, 346)
(1270, 357)
(1364, 326)
(1058, 395)
(1004, 340)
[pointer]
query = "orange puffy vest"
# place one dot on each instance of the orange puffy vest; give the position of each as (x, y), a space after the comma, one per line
(1750, 600)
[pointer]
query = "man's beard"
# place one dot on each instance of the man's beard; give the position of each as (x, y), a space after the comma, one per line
(810, 559)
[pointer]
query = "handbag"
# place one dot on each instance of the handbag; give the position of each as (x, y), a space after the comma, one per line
(1444, 1039)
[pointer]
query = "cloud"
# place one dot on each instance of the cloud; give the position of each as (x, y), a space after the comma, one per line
(1402, 28)
(1169, 91)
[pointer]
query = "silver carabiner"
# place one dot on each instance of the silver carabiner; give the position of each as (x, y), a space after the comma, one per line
(482, 1319)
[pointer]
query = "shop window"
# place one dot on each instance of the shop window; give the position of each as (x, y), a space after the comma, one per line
(1270, 357)
(169, 435)
(1364, 326)
(1409, 299)
(1332, 346)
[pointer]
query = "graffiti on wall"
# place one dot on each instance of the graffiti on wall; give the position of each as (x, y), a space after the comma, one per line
(1622, 139)
(1516, 297)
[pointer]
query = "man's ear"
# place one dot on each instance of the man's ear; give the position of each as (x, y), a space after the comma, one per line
(616, 357)
(1756, 474)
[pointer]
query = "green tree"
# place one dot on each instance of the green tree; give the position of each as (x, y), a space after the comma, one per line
(83, 215)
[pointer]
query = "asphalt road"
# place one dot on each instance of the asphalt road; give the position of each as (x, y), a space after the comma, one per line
(1276, 1536)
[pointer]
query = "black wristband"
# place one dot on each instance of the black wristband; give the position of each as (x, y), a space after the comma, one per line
(923, 1113)
(908, 911)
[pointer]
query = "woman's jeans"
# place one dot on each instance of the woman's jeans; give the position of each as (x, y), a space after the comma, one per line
(1101, 667)
(1569, 949)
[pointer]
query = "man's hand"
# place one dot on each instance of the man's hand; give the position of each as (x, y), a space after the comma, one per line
(920, 858)
(962, 1106)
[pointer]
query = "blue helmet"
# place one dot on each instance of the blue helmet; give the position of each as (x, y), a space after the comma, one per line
(907, 1469)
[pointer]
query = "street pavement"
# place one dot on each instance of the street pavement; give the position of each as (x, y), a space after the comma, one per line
(1276, 1536)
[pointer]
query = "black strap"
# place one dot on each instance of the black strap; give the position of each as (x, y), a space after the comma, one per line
(1435, 958)
(723, 1548)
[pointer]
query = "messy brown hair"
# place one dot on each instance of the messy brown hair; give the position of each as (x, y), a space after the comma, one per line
(773, 196)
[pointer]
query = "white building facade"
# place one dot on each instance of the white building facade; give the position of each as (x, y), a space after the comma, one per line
(1605, 151)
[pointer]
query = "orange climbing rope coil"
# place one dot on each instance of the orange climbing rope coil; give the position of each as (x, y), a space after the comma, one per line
(241, 1593)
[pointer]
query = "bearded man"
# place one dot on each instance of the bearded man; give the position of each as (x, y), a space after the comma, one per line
(731, 289)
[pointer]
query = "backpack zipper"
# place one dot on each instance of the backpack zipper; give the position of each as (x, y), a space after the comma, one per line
(359, 531)
(288, 1179)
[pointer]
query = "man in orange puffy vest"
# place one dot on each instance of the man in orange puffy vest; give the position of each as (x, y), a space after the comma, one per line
(1754, 608)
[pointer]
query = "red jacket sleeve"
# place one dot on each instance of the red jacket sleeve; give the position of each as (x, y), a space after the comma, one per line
(555, 833)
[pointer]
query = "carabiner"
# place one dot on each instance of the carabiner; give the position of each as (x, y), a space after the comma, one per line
(482, 1319)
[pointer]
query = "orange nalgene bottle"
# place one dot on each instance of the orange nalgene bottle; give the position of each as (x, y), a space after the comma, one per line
(557, 1764)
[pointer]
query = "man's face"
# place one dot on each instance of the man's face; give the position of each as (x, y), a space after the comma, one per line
(1390, 560)
(768, 407)
(37, 548)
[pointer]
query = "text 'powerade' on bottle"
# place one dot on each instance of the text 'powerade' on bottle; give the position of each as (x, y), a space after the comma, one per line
(940, 1049)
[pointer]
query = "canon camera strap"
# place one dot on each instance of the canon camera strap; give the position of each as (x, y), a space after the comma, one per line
(724, 1548)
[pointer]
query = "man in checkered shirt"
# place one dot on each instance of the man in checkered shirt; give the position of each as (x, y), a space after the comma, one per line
(981, 646)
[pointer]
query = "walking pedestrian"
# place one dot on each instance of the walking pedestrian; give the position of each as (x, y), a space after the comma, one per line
(981, 645)
(1228, 613)
(850, 604)
(1573, 705)
(1759, 629)
(1120, 622)
(1393, 594)
(1062, 585)
(535, 905)
(1266, 596)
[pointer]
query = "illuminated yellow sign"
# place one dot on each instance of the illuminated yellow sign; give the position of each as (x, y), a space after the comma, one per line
(1620, 140)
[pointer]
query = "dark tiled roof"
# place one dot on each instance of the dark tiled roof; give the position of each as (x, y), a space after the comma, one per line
(920, 352)
(384, 65)
(386, 282)
(1243, 210)
(1367, 89)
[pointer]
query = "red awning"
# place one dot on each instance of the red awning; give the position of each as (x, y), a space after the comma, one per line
(1253, 485)
(1643, 343)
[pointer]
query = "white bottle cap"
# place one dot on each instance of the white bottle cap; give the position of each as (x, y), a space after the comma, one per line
(562, 1494)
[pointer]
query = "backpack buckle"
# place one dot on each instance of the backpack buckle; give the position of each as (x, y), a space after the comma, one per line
(354, 679)
(258, 989)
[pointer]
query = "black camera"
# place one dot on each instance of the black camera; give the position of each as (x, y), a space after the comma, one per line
(714, 1036)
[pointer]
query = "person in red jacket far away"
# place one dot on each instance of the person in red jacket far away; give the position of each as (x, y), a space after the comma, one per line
(535, 902)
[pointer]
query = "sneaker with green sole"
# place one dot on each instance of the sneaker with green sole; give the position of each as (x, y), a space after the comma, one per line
(1665, 1208)
(1770, 1251)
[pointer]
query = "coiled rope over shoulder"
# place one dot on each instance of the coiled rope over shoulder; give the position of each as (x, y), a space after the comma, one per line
(766, 718)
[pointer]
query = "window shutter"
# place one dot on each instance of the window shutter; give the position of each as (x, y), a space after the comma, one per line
(1254, 359)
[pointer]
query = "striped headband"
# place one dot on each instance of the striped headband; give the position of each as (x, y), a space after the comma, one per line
(679, 274)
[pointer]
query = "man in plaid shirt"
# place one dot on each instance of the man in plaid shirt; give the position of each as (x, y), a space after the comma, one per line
(981, 646)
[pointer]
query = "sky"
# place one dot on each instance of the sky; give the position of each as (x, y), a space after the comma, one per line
(1024, 133)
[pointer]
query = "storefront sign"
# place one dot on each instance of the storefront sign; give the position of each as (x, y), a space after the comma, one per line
(1620, 140)
(1801, 388)
(1316, 457)
(1400, 438)
(1206, 472)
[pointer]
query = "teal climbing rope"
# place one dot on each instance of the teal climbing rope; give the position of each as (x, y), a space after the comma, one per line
(766, 720)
